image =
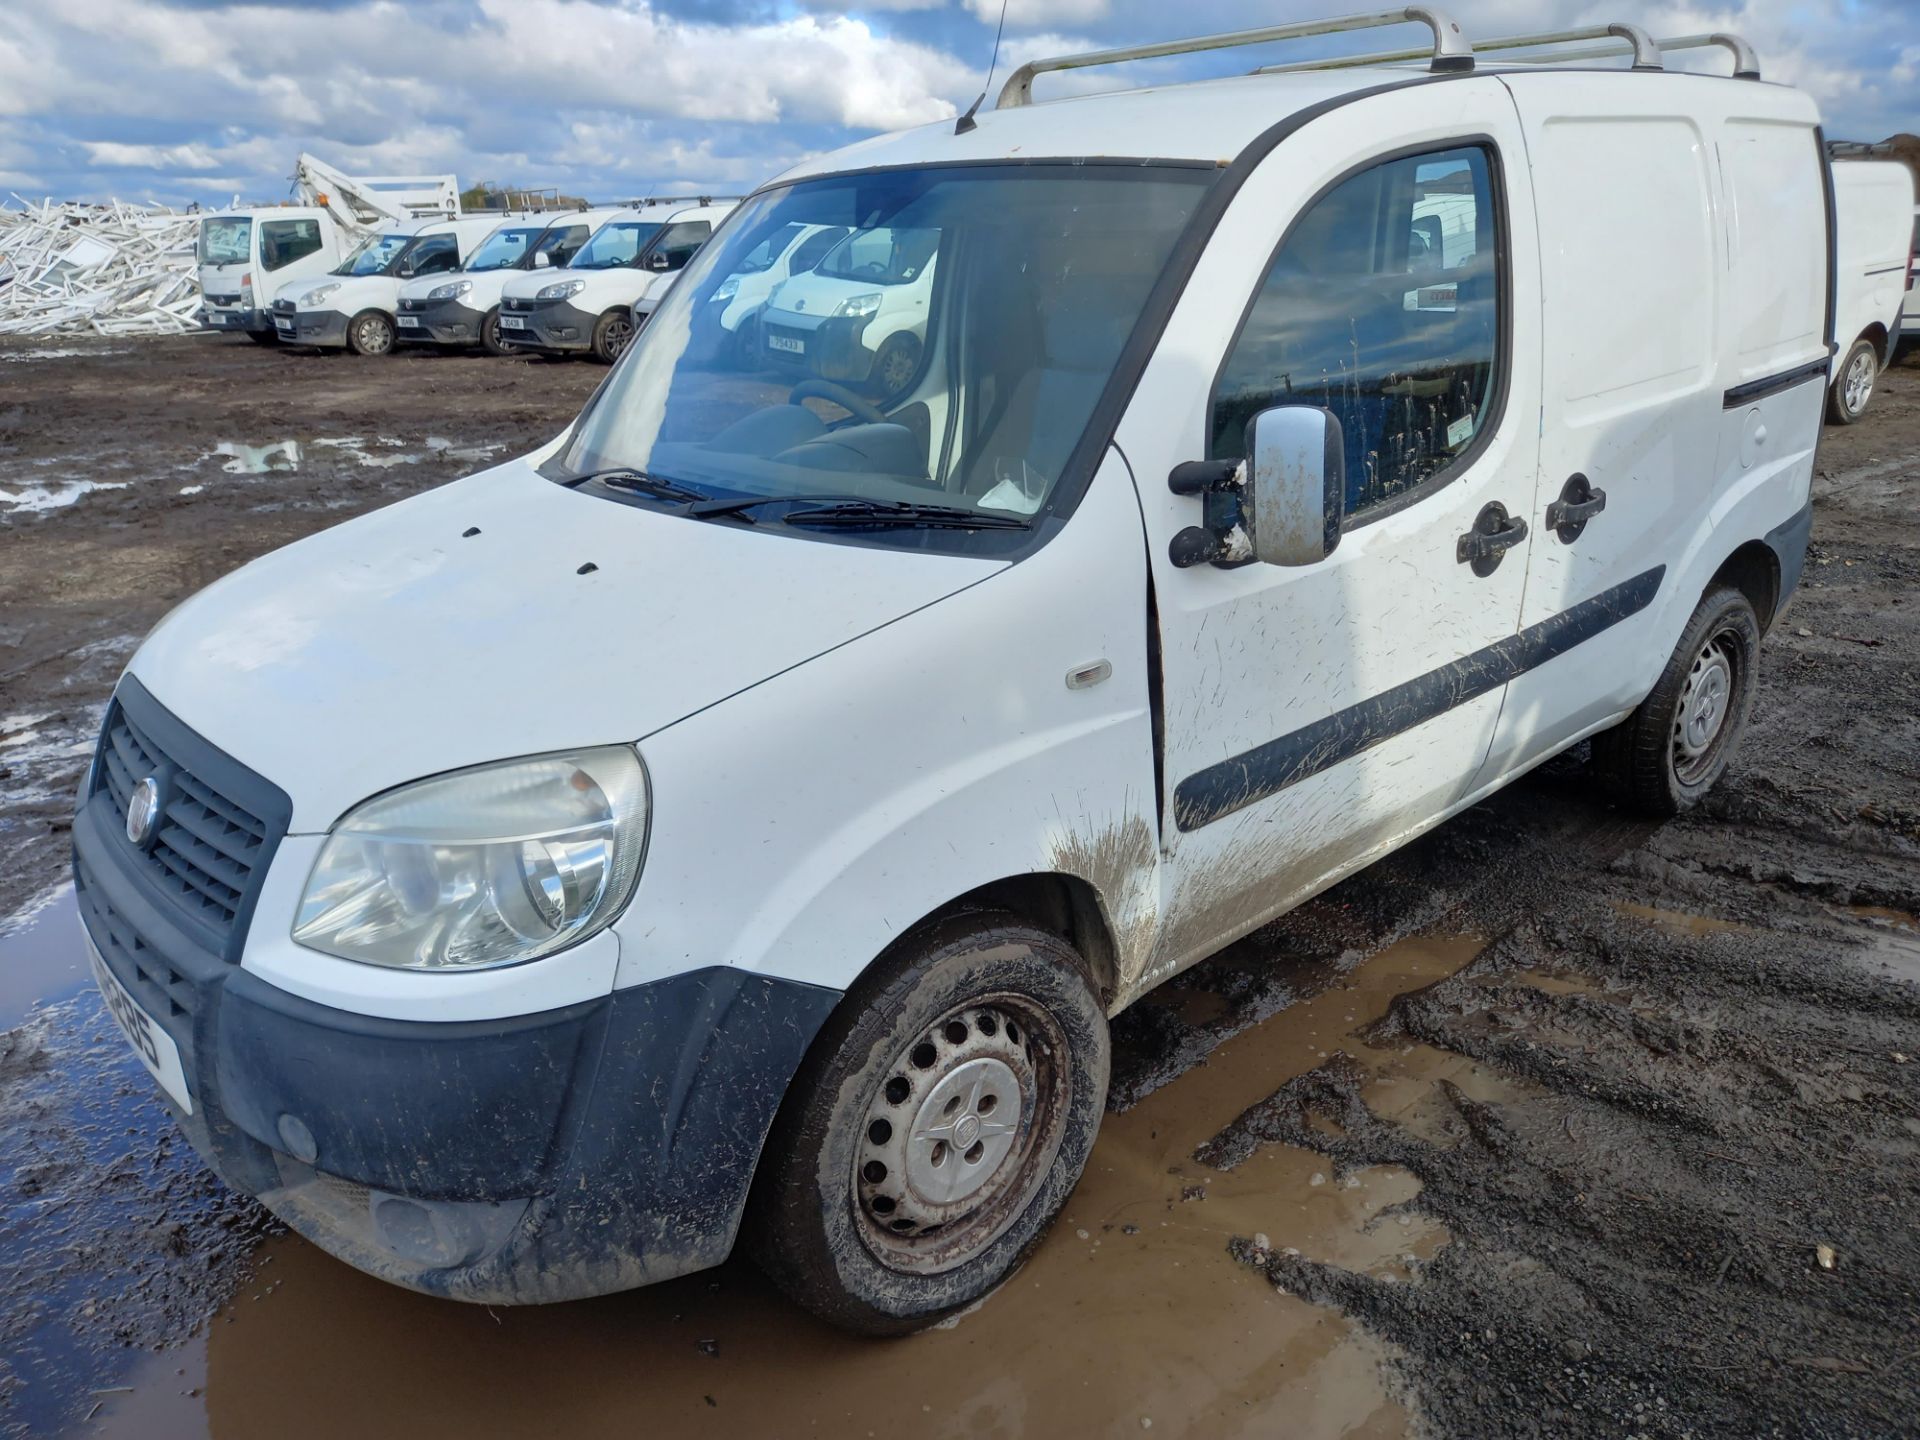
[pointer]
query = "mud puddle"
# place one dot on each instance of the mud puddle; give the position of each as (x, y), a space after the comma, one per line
(41, 958)
(1133, 1315)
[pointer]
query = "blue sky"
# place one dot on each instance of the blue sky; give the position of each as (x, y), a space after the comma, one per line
(199, 101)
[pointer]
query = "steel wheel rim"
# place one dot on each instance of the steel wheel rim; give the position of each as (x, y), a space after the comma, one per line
(897, 371)
(1859, 382)
(963, 1130)
(372, 337)
(1706, 701)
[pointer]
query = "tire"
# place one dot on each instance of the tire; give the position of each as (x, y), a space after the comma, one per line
(490, 333)
(1852, 384)
(976, 1016)
(370, 333)
(264, 337)
(1665, 756)
(745, 346)
(612, 334)
(894, 367)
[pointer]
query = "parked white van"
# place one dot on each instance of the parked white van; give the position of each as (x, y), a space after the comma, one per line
(356, 304)
(611, 286)
(859, 316)
(462, 308)
(744, 813)
(247, 255)
(739, 301)
(1873, 237)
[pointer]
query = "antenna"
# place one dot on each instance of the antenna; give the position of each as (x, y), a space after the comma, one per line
(966, 122)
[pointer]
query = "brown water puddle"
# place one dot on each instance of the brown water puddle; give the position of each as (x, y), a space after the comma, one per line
(1685, 922)
(1130, 1317)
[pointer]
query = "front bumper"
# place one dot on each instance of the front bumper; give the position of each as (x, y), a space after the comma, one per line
(258, 322)
(310, 327)
(552, 327)
(832, 347)
(538, 1158)
(440, 322)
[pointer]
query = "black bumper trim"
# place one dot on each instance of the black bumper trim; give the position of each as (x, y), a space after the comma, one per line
(1788, 542)
(314, 327)
(542, 321)
(442, 322)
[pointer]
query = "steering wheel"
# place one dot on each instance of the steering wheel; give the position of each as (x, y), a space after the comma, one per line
(839, 395)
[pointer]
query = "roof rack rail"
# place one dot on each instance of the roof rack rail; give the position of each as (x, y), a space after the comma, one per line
(675, 200)
(1450, 49)
(1646, 50)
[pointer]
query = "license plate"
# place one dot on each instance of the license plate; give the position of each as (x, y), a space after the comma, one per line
(285, 327)
(152, 1044)
(226, 320)
(409, 322)
(782, 342)
(512, 322)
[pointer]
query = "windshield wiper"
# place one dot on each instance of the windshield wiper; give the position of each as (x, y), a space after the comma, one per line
(623, 477)
(903, 512)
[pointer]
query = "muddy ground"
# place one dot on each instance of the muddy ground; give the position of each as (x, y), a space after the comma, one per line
(1555, 1123)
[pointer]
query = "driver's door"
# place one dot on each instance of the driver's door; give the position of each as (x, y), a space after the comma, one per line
(1312, 715)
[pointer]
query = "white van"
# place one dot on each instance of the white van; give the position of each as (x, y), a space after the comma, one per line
(611, 286)
(462, 308)
(738, 302)
(859, 316)
(1873, 236)
(743, 814)
(247, 255)
(356, 304)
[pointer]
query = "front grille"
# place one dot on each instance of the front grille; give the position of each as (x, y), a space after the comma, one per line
(216, 827)
(163, 990)
(413, 305)
(283, 307)
(228, 300)
(515, 304)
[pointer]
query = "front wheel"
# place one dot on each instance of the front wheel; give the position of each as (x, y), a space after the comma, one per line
(264, 337)
(942, 1118)
(370, 333)
(490, 333)
(612, 335)
(1853, 385)
(1662, 758)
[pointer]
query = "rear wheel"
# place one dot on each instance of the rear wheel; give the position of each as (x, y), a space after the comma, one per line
(612, 336)
(490, 333)
(1667, 754)
(370, 333)
(264, 337)
(941, 1120)
(1852, 386)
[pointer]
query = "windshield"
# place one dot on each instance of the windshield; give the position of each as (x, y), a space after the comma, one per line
(971, 391)
(559, 243)
(617, 243)
(375, 255)
(762, 256)
(226, 240)
(883, 255)
(504, 249)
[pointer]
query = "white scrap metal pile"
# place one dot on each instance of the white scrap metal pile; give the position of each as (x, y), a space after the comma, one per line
(104, 269)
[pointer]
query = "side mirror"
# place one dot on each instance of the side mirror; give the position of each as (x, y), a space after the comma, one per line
(1294, 495)
(1282, 505)
(542, 260)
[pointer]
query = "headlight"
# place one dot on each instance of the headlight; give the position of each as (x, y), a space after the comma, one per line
(484, 867)
(561, 289)
(859, 305)
(728, 288)
(450, 292)
(317, 294)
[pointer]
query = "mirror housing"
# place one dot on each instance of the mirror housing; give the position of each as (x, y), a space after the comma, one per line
(542, 260)
(1294, 496)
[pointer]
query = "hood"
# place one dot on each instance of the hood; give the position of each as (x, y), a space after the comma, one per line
(812, 293)
(396, 646)
(356, 292)
(486, 285)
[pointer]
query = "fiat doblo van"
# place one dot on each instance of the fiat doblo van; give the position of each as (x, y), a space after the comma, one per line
(742, 816)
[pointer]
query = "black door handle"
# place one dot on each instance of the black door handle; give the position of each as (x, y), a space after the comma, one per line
(1494, 533)
(1579, 502)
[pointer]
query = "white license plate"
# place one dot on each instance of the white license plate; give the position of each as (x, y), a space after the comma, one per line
(512, 322)
(791, 346)
(284, 326)
(409, 322)
(152, 1044)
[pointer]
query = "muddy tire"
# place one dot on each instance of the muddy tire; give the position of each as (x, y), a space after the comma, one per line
(1662, 758)
(490, 333)
(1852, 384)
(895, 366)
(941, 1119)
(370, 333)
(612, 334)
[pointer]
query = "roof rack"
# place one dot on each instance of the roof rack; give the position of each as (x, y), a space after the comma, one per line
(646, 200)
(1646, 50)
(1450, 49)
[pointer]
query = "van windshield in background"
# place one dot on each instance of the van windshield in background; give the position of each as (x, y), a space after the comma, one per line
(762, 256)
(504, 249)
(375, 255)
(964, 386)
(559, 244)
(618, 243)
(226, 240)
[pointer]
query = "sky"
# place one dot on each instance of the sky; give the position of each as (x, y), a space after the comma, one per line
(185, 101)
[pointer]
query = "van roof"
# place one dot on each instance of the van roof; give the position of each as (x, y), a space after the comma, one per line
(1207, 120)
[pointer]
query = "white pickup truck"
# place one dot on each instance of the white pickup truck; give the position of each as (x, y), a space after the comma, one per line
(246, 256)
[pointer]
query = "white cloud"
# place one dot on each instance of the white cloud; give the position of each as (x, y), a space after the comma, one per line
(1024, 14)
(116, 156)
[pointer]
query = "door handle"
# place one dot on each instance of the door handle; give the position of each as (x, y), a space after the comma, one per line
(1494, 533)
(1579, 502)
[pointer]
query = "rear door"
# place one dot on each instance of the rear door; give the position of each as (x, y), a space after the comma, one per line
(1380, 264)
